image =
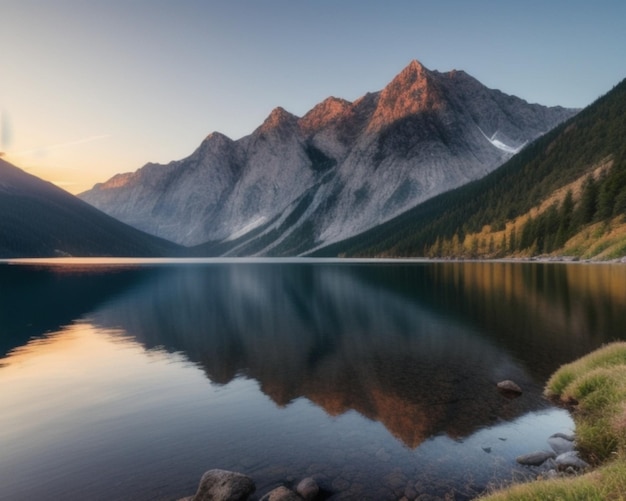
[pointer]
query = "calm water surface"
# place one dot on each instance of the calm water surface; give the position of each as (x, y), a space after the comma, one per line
(128, 381)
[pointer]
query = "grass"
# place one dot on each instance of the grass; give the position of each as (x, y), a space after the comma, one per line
(604, 484)
(595, 387)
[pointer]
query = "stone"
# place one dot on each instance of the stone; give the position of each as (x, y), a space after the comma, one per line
(570, 459)
(509, 386)
(535, 458)
(560, 445)
(564, 436)
(223, 485)
(281, 494)
(308, 489)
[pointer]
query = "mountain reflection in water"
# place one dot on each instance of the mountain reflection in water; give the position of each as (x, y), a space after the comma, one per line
(418, 348)
(386, 341)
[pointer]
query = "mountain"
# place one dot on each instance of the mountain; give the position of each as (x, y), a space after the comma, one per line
(42, 220)
(297, 183)
(563, 195)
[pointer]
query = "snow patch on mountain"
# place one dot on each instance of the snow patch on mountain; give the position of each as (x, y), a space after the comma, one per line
(255, 223)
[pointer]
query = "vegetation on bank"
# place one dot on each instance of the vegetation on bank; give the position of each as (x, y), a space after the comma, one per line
(595, 386)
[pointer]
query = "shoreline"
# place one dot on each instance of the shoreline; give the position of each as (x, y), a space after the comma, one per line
(112, 261)
(593, 388)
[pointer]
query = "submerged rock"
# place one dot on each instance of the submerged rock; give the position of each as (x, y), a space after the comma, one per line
(535, 458)
(308, 489)
(509, 386)
(224, 485)
(281, 494)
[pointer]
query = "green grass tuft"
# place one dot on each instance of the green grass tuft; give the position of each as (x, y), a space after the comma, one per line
(596, 386)
(610, 355)
(607, 483)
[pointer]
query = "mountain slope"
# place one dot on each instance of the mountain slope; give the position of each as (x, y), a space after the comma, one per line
(41, 220)
(563, 194)
(297, 183)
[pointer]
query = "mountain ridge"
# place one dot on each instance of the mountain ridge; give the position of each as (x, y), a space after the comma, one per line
(297, 183)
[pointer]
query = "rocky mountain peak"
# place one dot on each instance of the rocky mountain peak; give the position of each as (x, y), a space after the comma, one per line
(279, 118)
(218, 137)
(413, 69)
(215, 141)
(323, 114)
(413, 90)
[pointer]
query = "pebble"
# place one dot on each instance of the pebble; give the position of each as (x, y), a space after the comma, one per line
(509, 386)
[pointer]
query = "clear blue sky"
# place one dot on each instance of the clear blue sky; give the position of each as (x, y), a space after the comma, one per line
(90, 88)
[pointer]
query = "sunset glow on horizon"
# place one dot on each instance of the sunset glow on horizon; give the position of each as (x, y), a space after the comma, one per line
(92, 89)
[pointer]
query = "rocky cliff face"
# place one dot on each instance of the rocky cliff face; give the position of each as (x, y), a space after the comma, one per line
(297, 183)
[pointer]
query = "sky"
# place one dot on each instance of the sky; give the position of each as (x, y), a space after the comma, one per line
(93, 88)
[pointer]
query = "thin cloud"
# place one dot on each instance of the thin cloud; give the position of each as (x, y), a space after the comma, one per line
(57, 146)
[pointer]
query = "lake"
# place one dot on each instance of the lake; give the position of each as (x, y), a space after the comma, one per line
(129, 379)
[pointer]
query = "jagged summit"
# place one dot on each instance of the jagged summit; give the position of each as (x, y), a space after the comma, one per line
(217, 136)
(326, 112)
(278, 118)
(413, 90)
(215, 141)
(414, 68)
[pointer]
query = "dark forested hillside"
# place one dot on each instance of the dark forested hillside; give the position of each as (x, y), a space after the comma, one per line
(563, 194)
(40, 220)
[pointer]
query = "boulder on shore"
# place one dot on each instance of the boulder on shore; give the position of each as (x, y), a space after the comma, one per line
(224, 485)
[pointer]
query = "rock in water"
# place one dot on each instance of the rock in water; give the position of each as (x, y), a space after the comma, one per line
(281, 494)
(509, 387)
(570, 459)
(223, 485)
(560, 445)
(308, 489)
(535, 458)
(564, 436)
